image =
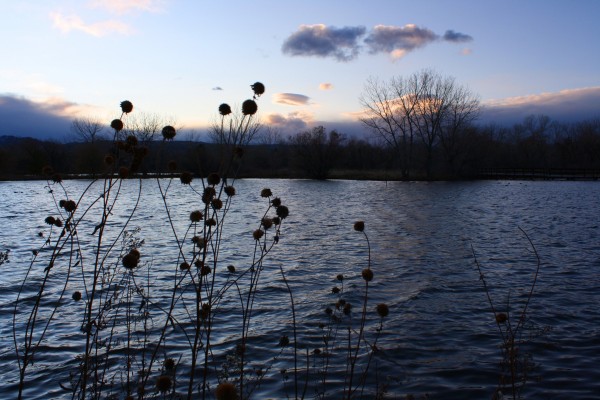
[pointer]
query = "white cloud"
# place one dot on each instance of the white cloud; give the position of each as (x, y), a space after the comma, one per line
(70, 23)
(124, 6)
(325, 86)
(291, 99)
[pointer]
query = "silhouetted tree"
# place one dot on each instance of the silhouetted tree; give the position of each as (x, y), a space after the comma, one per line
(88, 129)
(316, 151)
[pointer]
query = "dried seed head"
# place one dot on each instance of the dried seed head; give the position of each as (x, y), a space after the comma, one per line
(50, 220)
(168, 132)
(383, 310)
(211, 222)
(276, 202)
(347, 308)
(76, 296)
(339, 277)
(231, 268)
(359, 226)
(70, 206)
(276, 220)
(266, 223)
(282, 212)
(169, 364)
(117, 125)
(258, 88)
(284, 341)
(126, 106)
(501, 318)
(335, 290)
(224, 109)
(229, 191)
(266, 192)
(130, 260)
(109, 159)
(217, 204)
(205, 270)
(249, 107)
(367, 274)
(196, 216)
(123, 172)
(257, 234)
(131, 140)
(186, 178)
(184, 266)
(213, 179)
(226, 391)
(164, 383)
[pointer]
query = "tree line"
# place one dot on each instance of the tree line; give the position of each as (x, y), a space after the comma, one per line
(422, 126)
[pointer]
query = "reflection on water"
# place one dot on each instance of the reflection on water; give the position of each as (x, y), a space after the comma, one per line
(440, 337)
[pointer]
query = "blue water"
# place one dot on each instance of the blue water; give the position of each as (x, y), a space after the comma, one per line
(440, 338)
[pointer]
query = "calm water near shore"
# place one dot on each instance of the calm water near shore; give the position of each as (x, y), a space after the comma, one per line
(440, 338)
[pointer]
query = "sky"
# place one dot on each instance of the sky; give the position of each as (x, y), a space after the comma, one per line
(180, 59)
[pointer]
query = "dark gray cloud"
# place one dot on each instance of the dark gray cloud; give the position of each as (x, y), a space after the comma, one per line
(343, 44)
(389, 39)
(324, 41)
(24, 118)
(457, 37)
(217, 88)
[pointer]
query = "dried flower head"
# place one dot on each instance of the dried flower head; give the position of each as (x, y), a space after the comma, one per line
(347, 309)
(282, 212)
(130, 261)
(211, 222)
(266, 223)
(126, 106)
(231, 268)
(367, 274)
(258, 88)
(229, 191)
(168, 132)
(205, 270)
(226, 391)
(359, 226)
(276, 202)
(50, 220)
(383, 310)
(76, 296)
(186, 178)
(501, 318)
(208, 194)
(117, 125)
(284, 341)
(224, 109)
(196, 216)
(266, 192)
(184, 266)
(217, 204)
(70, 206)
(276, 220)
(335, 290)
(249, 107)
(169, 364)
(339, 277)
(213, 179)
(164, 383)
(123, 172)
(257, 234)
(58, 222)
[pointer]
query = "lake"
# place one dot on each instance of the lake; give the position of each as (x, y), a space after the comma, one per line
(440, 337)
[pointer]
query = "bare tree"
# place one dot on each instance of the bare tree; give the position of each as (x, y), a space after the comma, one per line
(270, 135)
(234, 129)
(316, 151)
(423, 105)
(88, 129)
(146, 126)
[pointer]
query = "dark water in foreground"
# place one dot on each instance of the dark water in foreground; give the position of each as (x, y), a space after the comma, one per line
(440, 338)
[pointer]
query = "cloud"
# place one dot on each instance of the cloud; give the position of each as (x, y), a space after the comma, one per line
(43, 120)
(398, 39)
(217, 88)
(343, 44)
(291, 99)
(569, 105)
(323, 41)
(466, 51)
(291, 123)
(70, 23)
(325, 86)
(125, 6)
(457, 37)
